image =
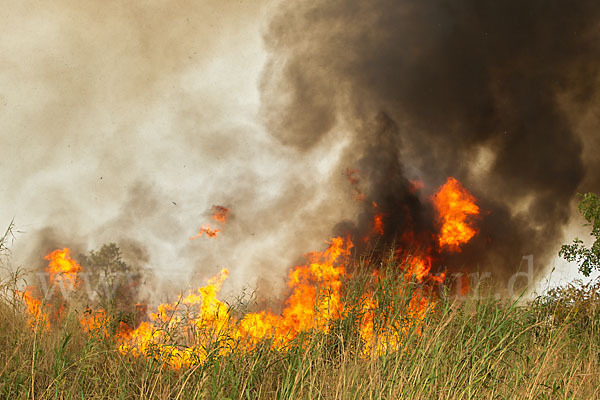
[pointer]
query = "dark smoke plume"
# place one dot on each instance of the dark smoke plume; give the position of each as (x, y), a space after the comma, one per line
(486, 91)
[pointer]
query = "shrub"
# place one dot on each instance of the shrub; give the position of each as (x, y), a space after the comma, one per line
(587, 258)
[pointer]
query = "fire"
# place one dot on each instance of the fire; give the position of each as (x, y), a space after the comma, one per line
(378, 221)
(206, 229)
(354, 182)
(94, 320)
(220, 213)
(315, 301)
(315, 297)
(197, 325)
(209, 323)
(418, 266)
(62, 266)
(456, 208)
(416, 185)
(377, 226)
(381, 332)
(37, 315)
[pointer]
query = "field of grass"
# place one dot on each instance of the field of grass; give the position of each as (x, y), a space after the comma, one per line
(472, 348)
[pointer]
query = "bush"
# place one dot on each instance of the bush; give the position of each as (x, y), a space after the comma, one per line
(587, 258)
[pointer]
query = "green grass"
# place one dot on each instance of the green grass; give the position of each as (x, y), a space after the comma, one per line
(481, 348)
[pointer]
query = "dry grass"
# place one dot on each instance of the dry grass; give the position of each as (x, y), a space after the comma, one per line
(481, 348)
(476, 349)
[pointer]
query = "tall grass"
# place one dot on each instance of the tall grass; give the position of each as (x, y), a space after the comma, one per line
(472, 348)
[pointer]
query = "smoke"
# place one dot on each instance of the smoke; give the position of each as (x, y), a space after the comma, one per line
(125, 123)
(489, 92)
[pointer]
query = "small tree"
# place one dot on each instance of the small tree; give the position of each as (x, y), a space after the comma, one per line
(114, 283)
(587, 258)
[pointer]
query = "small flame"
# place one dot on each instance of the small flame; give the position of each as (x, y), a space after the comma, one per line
(416, 185)
(377, 226)
(206, 229)
(220, 213)
(418, 266)
(94, 320)
(354, 182)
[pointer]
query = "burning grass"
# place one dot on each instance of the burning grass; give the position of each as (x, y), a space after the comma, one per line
(350, 327)
(469, 348)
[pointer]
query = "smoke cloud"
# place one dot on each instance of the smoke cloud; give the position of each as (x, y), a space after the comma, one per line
(126, 122)
(489, 92)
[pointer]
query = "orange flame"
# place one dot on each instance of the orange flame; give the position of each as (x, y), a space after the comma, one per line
(456, 208)
(150, 336)
(377, 226)
(94, 320)
(315, 300)
(206, 229)
(37, 316)
(220, 213)
(62, 266)
(354, 182)
(416, 185)
(391, 332)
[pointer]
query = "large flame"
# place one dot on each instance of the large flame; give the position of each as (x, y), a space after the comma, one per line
(314, 301)
(315, 298)
(456, 208)
(62, 267)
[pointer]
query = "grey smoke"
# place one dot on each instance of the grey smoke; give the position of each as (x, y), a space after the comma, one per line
(111, 112)
(487, 91)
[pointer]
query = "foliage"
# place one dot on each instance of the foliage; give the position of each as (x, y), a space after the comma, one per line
(576, 304)
(587, 258)
(113, 283)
